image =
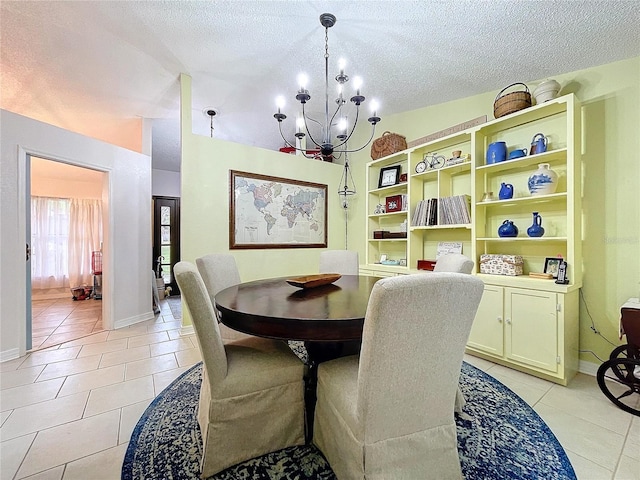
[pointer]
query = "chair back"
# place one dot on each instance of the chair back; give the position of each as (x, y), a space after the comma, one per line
(218, 271)
(415, 331)
(344, 262)
(204, 318)
(454, 262)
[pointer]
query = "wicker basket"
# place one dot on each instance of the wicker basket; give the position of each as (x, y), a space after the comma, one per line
(511, 102)
(387, 144)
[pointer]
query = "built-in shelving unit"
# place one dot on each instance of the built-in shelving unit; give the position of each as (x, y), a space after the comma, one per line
(530, 324)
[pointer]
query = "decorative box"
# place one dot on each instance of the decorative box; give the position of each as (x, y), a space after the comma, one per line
(501, 264)
(426, 264)
(379, 234)
(386, 234)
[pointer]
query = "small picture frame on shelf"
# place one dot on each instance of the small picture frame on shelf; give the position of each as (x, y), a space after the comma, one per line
(403, 262)
(389, 176)
(551, 265)
(393, 203)
(383, 257)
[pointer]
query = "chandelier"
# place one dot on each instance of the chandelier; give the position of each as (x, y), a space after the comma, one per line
(335, 131)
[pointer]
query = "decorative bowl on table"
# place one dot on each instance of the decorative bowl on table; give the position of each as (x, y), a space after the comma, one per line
(311, 281)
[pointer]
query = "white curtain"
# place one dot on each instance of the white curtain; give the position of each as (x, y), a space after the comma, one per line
(85, 235)
(64, 234)
(49, 242)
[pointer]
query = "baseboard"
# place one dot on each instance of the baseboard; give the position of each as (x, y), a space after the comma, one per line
(187, 330)
(127, 322)
(588, 368)
(9, 355)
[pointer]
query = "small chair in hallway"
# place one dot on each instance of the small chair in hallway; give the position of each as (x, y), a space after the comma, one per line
(219, 271)
(344, 262)
(388, 413)
(252, 393)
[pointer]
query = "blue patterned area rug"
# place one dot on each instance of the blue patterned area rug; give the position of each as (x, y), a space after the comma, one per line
(499, 438)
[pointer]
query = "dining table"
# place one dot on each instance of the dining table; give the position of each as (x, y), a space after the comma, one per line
(328, 318)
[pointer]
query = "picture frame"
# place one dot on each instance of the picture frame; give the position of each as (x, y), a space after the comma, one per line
(389, 176)
(551, 265)
(275, 212)
(403, 262)
(393, 203)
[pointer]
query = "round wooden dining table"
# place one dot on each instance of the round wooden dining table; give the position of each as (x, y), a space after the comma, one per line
(328, 318)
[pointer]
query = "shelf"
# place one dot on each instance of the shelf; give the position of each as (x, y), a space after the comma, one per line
(466, 226)
(387, 239)
(522, 239)
(390, 214)
(391, 188)
(525, 281)
(551, 157)
(448, 170)
(524, 200)
(528, 115)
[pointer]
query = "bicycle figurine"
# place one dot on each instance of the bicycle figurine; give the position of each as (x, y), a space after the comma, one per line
(430, 161)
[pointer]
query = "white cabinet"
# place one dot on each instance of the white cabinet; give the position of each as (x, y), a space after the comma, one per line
(534, 331)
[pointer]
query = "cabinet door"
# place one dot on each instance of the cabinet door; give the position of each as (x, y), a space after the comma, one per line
(531, 329)
(487, 329)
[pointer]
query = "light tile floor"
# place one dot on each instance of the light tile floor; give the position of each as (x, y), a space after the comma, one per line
(67, 412)
(59, 320)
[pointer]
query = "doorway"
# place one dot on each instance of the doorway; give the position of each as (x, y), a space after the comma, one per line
(166, 239)
(55, 312)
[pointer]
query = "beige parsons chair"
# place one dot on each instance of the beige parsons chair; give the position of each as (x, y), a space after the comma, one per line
(454, 262)
(344, 262)
(251, 398)
(220, 271)
(388, 413)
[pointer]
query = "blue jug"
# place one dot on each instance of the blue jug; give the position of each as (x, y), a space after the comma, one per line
(538, 144)
(506, 191)
(507, 229)
(536, 230)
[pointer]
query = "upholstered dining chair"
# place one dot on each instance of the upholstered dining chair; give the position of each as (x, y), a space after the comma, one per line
(388, 413)
(251, 398)
(344, 262)
(454, 262)
(220, 271)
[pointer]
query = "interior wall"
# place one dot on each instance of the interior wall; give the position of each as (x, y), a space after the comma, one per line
(206, 163)
(165, 183)
(610, 96)
(127, 245)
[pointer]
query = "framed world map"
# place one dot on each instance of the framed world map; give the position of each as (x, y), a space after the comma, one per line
(274, 212)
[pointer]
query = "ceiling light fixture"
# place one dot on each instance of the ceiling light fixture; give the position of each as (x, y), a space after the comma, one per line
(212, 113)
(338, 120)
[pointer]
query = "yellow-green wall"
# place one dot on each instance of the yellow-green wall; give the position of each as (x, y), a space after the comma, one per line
(206, 164)
(610, 96)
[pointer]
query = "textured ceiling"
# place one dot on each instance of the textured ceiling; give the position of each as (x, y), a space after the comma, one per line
(123, 58)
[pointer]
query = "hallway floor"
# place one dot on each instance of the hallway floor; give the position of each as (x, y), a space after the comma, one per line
(60, 320)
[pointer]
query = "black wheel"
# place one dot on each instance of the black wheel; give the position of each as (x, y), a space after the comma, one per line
(438, 161)
(619, 352)
(619, 380)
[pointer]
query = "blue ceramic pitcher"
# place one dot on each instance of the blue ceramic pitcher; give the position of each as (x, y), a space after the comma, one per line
(538, 144)
(496, 152)
(506, 191)
(536, 230)
(508, 229)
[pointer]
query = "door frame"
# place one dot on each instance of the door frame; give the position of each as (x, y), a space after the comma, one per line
(24, 214)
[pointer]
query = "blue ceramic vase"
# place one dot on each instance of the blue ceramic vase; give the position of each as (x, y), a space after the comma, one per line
(536, 230)
(506, 191)
(508, 229)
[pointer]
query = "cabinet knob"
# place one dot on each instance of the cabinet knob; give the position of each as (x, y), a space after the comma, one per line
(499, 319)
(508, 321)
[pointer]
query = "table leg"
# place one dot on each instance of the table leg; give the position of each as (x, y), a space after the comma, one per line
(318, 352)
